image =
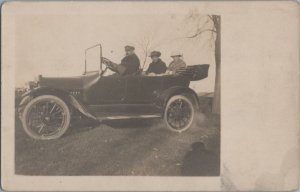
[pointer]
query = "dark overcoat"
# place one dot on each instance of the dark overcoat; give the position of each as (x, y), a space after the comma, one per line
(157, 67)
(131, 64)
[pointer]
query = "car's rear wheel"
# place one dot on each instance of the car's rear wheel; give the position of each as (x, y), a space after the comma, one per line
(179, 113)
(46, 117)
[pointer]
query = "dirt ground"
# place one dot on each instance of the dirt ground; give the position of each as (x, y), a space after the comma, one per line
(123, 148)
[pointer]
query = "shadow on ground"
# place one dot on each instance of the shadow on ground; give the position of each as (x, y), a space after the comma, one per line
(84, 125)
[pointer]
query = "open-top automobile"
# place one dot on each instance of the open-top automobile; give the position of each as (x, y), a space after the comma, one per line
(47, 109)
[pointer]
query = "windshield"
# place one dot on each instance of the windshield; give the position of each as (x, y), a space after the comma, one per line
(93, 58)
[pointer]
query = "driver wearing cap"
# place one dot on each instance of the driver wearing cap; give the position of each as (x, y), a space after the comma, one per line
(129, 65)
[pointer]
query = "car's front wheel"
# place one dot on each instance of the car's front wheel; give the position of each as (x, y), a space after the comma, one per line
(46, 117)
(179, 113)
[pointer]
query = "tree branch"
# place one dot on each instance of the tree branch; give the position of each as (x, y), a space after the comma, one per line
(199, 33)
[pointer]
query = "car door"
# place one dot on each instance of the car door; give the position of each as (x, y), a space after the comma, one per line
(151, 87)
(107, 90)
(133, 89)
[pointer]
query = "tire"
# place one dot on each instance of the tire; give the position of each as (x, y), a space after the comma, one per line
(44, 111)
(173, 111)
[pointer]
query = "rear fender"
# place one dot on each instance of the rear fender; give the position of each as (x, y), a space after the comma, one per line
(65, 96)
(167, 94)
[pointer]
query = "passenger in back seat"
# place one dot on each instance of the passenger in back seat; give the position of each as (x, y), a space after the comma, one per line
(177, 62)
(157, 66)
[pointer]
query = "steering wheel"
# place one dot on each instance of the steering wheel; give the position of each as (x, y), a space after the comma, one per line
(109, 65)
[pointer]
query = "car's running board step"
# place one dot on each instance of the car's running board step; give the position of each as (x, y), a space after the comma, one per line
(128, 117)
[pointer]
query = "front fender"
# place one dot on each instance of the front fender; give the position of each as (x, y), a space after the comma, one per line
(167, 94)
(64, 95)
(27, 96)
(46, 91)
(80, 107)
(25, 100)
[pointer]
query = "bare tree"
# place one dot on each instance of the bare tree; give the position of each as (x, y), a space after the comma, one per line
(217, 95)
(210, 24)
(145, 44)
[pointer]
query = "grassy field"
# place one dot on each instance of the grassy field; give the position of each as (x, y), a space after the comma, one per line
(123, 148)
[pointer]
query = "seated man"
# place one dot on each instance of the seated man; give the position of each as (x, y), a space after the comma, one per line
(177, 62)
(157, 66)
(130, 64)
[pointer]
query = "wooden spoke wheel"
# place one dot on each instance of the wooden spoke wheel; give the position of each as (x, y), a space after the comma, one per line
(46, 117)
(179, 113)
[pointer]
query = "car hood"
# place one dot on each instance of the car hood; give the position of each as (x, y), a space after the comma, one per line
(67, 83)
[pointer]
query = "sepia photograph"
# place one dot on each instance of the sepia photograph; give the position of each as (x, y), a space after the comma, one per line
(118, 94)
(150, 96)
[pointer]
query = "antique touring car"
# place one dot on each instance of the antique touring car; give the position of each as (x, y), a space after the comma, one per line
(47, 109)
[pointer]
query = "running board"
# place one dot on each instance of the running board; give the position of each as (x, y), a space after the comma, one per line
(120, 117)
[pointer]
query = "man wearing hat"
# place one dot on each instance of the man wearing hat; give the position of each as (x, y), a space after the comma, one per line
(177, 62)
(157, 66)
(130, 64)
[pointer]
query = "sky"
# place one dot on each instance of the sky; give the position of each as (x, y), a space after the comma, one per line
(51, 41)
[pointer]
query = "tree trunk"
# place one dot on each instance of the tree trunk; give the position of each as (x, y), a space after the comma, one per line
(216, 108)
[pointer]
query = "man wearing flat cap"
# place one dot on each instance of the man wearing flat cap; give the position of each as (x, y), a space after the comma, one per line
(129, 65)
(157, 66)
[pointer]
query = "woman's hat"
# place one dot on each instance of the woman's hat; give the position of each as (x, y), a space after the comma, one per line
(176, 53)
(155, 54)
